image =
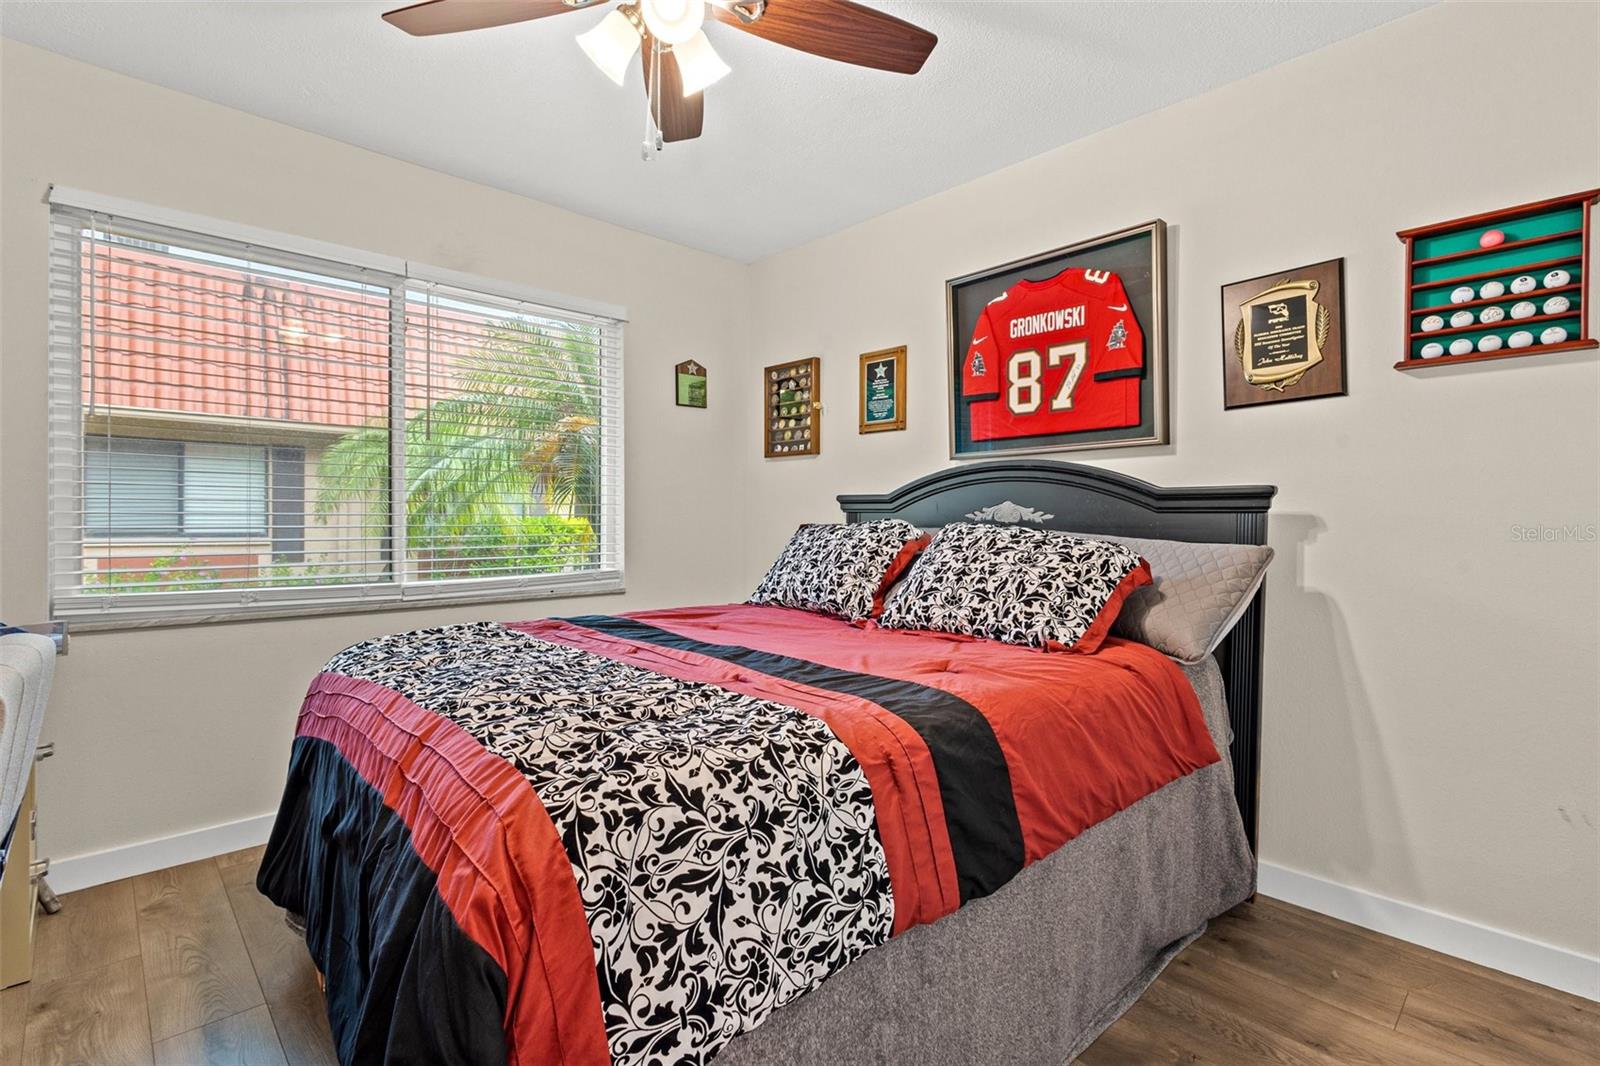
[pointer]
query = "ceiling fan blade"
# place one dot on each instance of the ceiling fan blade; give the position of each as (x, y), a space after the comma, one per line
(678, 117)
(837, 29)
(453, 16)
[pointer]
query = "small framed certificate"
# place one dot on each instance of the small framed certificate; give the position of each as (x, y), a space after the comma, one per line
(883, 390)
(690, 381)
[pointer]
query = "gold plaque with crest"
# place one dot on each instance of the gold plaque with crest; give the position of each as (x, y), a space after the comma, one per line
(1280, 334)
(1286, 337)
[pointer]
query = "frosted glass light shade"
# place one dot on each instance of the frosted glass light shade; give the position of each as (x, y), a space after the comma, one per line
(611, 45)
(699, 64)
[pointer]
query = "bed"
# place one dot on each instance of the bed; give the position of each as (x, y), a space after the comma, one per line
(761, 835)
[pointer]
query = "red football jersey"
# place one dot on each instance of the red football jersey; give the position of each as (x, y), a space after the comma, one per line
(1055, 356)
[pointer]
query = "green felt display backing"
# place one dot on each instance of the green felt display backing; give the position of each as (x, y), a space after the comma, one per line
(1498, 259)
(1541, 224)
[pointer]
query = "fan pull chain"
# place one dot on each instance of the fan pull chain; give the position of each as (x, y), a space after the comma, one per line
(652, 129)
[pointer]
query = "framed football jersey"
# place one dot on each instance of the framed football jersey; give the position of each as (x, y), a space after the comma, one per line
(1061, 351)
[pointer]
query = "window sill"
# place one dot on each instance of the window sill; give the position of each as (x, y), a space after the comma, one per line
(107, 622)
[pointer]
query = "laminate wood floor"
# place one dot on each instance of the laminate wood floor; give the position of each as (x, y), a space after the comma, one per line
(191, 967)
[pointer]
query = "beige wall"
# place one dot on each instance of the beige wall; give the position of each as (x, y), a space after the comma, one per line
(164, 731)
(1431, 681)
(1431, 688)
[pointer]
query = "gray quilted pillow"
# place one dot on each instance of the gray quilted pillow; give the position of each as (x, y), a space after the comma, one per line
(1199, 591)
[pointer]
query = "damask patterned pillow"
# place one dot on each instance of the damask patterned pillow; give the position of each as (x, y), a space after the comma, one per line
(841, 570)
(1034, 587)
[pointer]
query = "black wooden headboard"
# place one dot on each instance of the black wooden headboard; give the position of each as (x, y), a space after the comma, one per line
(1087, 499)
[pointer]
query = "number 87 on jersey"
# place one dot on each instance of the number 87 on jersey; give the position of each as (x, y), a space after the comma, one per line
(1052, 357)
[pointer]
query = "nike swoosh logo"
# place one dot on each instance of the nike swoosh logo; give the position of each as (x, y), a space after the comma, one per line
(1118, 307)
(980, 340)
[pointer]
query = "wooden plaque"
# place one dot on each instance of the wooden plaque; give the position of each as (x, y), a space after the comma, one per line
(883, 390)
(1283, 336)
(689, 384)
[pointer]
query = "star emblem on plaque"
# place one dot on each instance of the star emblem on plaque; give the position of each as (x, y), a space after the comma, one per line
(1286, 339)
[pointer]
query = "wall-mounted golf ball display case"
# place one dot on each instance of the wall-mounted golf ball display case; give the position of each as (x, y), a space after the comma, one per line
(1500, 284)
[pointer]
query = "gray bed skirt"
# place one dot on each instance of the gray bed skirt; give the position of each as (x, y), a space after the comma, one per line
(1035, 972)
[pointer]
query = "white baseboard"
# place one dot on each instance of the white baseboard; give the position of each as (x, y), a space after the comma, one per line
(1560, 968)
(97, 868)
(1570, 971)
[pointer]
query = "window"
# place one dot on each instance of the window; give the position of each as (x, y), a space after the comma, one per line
(246, 424)
(143, 488)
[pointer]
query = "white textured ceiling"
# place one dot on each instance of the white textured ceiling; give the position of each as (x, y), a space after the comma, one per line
(795, 147)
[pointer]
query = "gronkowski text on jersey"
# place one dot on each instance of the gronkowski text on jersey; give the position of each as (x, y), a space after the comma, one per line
(1057, 356)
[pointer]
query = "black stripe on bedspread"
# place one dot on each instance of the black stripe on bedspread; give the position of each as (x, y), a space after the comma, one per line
(974, 781)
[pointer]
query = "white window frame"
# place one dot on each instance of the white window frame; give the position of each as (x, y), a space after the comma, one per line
(112, 610)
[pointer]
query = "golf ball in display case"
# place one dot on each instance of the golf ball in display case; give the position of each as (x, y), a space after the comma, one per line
(1489, 342)
(1520, 339)
(1491, 315)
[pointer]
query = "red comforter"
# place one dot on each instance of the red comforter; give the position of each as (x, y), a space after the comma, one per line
(614, 839)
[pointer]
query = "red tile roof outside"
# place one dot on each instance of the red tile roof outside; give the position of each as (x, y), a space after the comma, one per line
(177, 335)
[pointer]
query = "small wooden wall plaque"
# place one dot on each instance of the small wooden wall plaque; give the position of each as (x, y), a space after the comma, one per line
(883, 390)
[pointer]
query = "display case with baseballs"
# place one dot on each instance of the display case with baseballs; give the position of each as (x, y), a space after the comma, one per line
(1500, 284)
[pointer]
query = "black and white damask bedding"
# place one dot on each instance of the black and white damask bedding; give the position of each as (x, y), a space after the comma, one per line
(1038, 588)
(681, 805)
(840, 570)
(630, 839)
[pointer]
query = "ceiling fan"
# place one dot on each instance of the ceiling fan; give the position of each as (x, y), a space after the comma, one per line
(679, 62)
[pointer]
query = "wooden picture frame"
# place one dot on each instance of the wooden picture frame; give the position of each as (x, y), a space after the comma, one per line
(1291, 345)
(689, 384)
(791, 409)
(1137, 256)
(882, 386)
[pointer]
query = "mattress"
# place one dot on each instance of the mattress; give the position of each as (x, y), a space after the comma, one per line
(732, 811)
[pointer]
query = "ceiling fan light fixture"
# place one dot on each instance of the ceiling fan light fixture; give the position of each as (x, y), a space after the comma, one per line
(611, 45)
(673, 21)
(698, 64)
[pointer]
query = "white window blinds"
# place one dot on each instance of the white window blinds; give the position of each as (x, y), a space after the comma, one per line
(238, 428)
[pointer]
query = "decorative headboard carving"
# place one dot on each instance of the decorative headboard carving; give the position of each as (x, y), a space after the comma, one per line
(1009, 512)
(1088, 499)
